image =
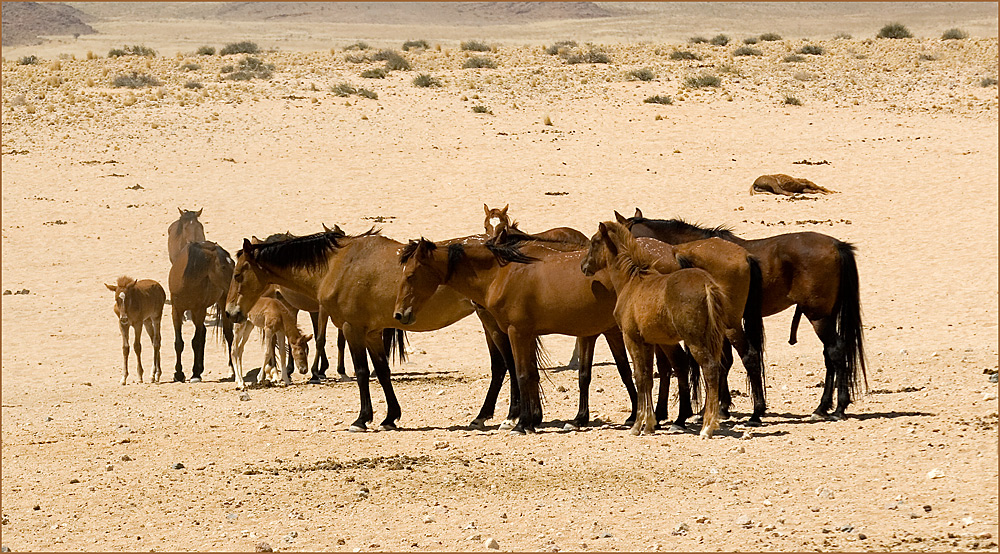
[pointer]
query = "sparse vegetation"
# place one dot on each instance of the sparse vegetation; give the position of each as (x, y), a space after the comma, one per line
(481, 109)
(414, 44)
(746, 51)
(475, 46)
(135, 80)
(424, 80)
(360, 45)
(697, 40)
(243, 47)
(750, 40)
(794, 58)
(375, 73)
(561, 47)
(684, 55)
(702, 81)
(477, 62)
(811, 49)
(955, 34)
(205, 51)
(365, 93)
(394, 61)
(644, 74)
(28, 60)
(344, 89)
(248, 68)
(591, 56)
(770, 37)
(988, 82)
(803, 76)
(792, 101)
(137, 50)
(659, 99)
(719, 40)
(895, 30)
(358, 58)
(190, 67)
(924, 56)
(193, 85)
(843, 36)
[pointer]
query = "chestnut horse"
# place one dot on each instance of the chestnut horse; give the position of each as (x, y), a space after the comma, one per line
(276, 321)
(186, 229)
(199, 278)
(559, 237)
(355, 279)
(815, 273)
(653, 308)
(139, 304)
(549, 296)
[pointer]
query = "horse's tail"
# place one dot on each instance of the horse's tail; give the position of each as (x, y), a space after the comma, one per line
(543, 362)
(715, 335)
(753, 319)
(694, 377)
(395, 343)
(848, 308)
(792, 337)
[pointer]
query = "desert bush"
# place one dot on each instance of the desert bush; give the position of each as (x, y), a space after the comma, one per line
(702, 81)
(811, 49)
(719, 40)
(476, 62)
(424, 80)
(360, 45)
(227, 69)
(697, 40)
(475, 46)
(205, 51)
(411, 44)
(375, 73)
(954, 34)
(746, 51)
(243, 47)
(843, 36)
(135, 80)
(684, 55)
(28, 60)
(924, 56)
(792, 101)
(644, 74)
(481, 109)
(895, 30)
(193, 85)
(987, 82)
(137, 50)
(358, 58)
(248, 68)
(344, 89)
(190, 67)
(560, 47)
(793, 58)
(592, 56)
(770, 37)
(658, 99)
(803, 76)
(394, 61)
(750, 40)
(365, 93)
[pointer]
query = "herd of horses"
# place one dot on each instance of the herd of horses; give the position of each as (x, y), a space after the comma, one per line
(658, 290)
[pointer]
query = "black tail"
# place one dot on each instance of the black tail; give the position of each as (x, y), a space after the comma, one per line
(395, 343)
(848, 308)
(792, 337)
(753, 320)
(694, 379)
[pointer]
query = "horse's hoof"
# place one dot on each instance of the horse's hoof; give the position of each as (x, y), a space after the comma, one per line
(571, 426)
(122, 382)
(196, 379)
(477, 424)
(357, 429)
(387, 427)
(753, 423)
(515, 432)
(696, 418)
(705, 435)
(634, 431)
(675, 429)
(838, 416)
(817, 417)
(507, 425)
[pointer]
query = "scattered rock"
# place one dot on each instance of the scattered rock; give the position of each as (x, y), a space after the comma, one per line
(560, 388)
(341, 542)
(987, 396)
(862, 536)
(244, 396)
(824, 492)
(126, 458)
(927, 507)
(440, 444)
(993, 378)
(702, 519)
(744, 521)
(492, 544)
(429, 519)
(178, 465)
(73, 481)
(681, 529)
(967, 520)
(263, 547)
(475, 538)
(935, 473)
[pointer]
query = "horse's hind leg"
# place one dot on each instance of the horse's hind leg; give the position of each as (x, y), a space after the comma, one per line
(678, 359)
(834, 354)
(755, 372)
(618, 351)
(711, 371)
(523, 346)
(178, 317)
(663, 398)
(198, 344)
(153, 330)
(359, 355)
(138, 349)
(586, 347)
(380, 360)
(500, 360)
(124, 331)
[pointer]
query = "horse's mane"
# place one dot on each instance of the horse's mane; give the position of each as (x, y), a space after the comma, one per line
(198, 260)
(510, 250)
(305, 251)
(679, 225)
(124, 281)
(632, 258)
(411, 248)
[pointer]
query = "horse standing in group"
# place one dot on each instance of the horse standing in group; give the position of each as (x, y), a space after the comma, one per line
(139, 304)
(814, 272)
(185, 230)
(199, 278)
(276, 320)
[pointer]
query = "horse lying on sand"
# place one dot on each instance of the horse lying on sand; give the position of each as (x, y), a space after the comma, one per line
(786, 185)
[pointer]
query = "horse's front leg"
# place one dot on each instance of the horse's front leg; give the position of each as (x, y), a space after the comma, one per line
(153, 330)
(525, 349)
(137, 327)
(178, 319)
(618, 351)
(496, 343)
(380, 360)
(319, 334)
(359, 355)
(198, 344)
(123, 328)
(586, 347)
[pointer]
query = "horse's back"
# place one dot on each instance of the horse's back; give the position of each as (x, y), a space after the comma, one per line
(798, 268)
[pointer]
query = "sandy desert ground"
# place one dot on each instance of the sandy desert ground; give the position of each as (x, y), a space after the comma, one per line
(93, 175)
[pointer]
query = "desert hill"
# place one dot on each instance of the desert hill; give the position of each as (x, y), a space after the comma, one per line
(25, 22)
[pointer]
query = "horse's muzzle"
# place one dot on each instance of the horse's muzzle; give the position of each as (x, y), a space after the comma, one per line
(236, 315)
(585, 267)
(405, 317)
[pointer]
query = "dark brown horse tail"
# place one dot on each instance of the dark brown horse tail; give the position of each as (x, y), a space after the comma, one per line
(792, 338)
(753, 319)
(395, 340)
(849, 327)
(716, 332)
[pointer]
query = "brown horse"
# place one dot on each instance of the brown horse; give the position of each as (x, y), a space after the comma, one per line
(276, 321)
(549, 296)
(186, 229)
(559, 237)
(199, 278)
(787, 185)
(653, 308)
(814, 272)
(138, 304)
(355, 279)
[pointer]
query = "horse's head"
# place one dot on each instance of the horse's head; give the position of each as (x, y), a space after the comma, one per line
(300, 352)
(601, 253)
(247, 284)
(122, 289)
(420, 279)
(190, 228)
(495, 219)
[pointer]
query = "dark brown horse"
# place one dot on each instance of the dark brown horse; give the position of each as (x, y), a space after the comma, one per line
(199, 278)
(559, 237)
(815, 273)
(654, 309)
(548, 296)
(186, 229)
(355, 279)
(139, 304)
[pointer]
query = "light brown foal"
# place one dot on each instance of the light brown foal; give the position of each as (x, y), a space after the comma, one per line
(139, 304)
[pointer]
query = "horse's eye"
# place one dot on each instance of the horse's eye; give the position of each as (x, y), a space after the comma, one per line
(238, 277)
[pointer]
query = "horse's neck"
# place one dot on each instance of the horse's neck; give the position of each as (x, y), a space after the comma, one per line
(289, 325)
(473, 275)
(299, 279)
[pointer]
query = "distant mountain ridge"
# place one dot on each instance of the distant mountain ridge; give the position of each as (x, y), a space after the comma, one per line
(26, 22)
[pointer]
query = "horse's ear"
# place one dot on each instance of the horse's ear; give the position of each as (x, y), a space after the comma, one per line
(247, 248)
(602, 228)
(619, 218)
(199, 212)
(306, 338)
(337, 229)
(111, 288)
(180, 211)
(486, 209)
(504, 210)
(638, 213)
(501, 236)
(325, 228)
(255, 240)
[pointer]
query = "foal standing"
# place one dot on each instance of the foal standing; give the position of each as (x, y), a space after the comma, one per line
(276, 320)
(138, 304)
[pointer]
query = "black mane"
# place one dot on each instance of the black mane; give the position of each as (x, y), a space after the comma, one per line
(199, 258)
(680, 226)
(308, 251)
(411, 248)
(510, 250)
